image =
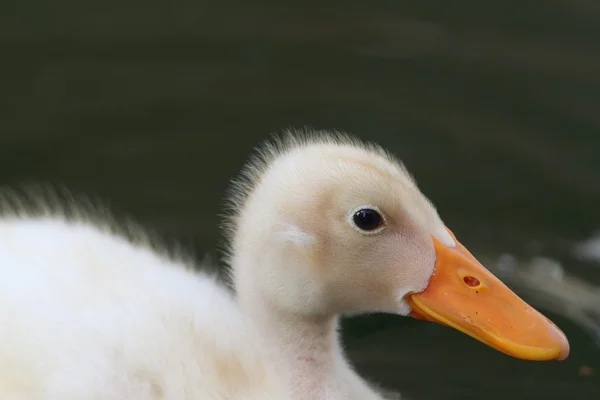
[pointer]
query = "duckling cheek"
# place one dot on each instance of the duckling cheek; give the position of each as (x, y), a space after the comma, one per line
(404, 264)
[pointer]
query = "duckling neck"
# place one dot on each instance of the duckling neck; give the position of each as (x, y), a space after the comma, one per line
(307, 352)
(305, 346)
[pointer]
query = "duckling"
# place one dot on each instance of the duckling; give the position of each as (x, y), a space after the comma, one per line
(318, 225)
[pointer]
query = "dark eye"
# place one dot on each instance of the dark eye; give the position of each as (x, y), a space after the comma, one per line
(367, 219)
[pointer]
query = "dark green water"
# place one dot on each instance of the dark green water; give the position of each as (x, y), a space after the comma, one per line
(493, 107)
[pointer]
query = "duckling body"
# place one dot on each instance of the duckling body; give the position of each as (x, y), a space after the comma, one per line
(88, 315)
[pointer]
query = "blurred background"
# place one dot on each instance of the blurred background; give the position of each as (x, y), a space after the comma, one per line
(153, 107)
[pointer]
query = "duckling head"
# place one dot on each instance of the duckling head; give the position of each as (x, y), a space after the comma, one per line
(323, 224)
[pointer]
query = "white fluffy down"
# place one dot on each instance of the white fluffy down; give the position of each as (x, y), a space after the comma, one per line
(86, 315)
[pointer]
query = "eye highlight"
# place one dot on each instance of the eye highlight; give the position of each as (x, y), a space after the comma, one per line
(367, 219)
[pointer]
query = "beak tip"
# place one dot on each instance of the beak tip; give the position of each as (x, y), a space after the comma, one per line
(563, 356)
(565, 348)
(562, 341)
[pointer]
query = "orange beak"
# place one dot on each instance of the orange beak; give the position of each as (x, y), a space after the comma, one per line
(464, 295)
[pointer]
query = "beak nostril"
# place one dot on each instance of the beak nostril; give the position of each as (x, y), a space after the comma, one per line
(471, 281)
